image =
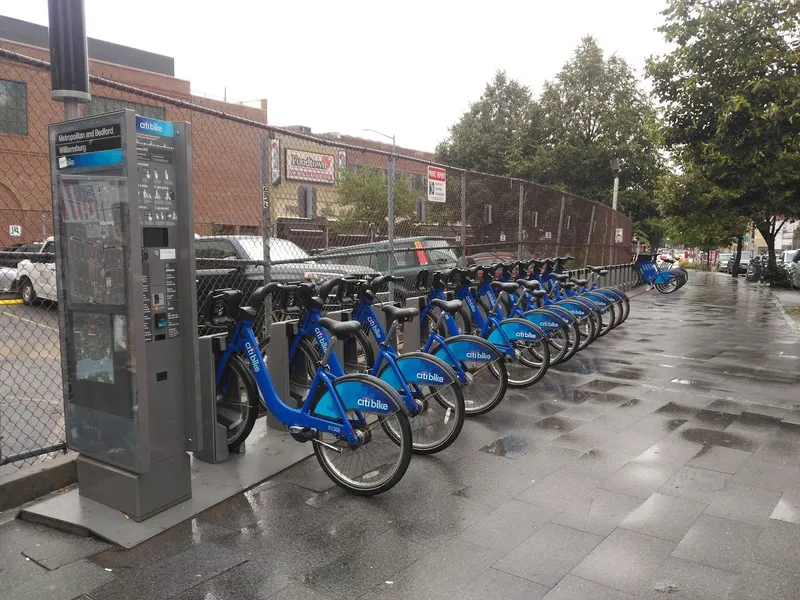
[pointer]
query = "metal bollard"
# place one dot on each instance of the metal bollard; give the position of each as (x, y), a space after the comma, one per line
(214, 448)
(280, 335)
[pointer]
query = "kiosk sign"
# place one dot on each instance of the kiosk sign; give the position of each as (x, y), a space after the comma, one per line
(90, 147)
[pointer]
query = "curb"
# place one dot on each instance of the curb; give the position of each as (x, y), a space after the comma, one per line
(30, 483)
(789, 320)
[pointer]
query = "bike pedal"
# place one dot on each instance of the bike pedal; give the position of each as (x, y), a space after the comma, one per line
(302, 434)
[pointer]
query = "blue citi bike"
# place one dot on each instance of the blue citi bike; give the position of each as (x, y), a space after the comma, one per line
(357, 423)
(479, 365)
(523, 345)
(429, 388)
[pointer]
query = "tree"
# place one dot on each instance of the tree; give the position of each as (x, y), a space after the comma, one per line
(493, 134)
(363, 199)
(593, 111)
(731, 95)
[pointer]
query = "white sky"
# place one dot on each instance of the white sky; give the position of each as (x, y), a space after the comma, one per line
(409, 68)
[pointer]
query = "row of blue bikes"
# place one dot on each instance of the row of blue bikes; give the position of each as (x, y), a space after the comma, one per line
(365, 406)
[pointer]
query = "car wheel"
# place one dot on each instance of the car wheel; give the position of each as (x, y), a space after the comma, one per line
(27, 292)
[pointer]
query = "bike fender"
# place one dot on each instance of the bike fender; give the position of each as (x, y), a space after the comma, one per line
(576, 309)
(417, 368)
(545, 320)
(597, 298)
(664, 277)
(515, 329)
(466, 349)
(355, 395)
(562, 313)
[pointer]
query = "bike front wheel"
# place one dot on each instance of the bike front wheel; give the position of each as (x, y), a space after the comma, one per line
(381, 460)
(237, 401)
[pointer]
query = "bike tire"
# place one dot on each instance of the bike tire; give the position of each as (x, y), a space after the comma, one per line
(489, 381)
(444, 405)
(237, 372)
(401, 440)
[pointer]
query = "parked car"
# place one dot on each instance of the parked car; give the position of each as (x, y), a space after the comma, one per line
(789, 256)
(247, 276)
(722, 262)
(410, 255)
(487, 258)
(36, 276)
(743, 263)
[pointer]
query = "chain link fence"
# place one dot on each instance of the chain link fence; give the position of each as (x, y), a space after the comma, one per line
(270, 204)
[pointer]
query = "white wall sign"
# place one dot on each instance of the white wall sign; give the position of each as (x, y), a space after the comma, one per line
(309, 166)
(502, 237)
(275, 161)
(618, 235)
(437, 184)
(548, 235)
(15, 230)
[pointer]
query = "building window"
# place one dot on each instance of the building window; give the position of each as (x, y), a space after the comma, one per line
(306, 202)
(13, 108)
(100, 105)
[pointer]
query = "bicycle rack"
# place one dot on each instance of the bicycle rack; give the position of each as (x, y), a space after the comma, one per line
(280, 334)
(412, 339)
(214, 448)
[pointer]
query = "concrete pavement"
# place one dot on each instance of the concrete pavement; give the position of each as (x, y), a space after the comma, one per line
(660, 462)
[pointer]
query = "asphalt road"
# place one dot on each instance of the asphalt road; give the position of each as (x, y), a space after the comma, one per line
(31, 405)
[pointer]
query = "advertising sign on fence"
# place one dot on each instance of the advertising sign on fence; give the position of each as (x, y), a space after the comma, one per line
(437, 184)
(15, 230)
(618, 235)
(309, 166)
(275, 161)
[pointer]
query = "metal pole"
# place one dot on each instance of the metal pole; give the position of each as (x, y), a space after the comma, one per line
(560, 220)
(616, 189)
(44, 226)
(71, 109)
(519, 228)
(266, 222)
(390, 217)
(464, 214)
(589, 237)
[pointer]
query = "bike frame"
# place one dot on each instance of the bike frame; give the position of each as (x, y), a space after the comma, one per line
(243, 340)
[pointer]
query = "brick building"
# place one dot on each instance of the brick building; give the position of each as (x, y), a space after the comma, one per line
(226, 154)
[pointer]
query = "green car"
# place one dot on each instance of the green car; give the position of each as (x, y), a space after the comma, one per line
(411, 255)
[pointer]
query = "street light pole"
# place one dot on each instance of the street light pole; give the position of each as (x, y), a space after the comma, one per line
(615, 170)
(390, 202)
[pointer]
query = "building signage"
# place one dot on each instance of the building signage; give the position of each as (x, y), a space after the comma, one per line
(15, 230)
(275, 161)
(437, 184)
(618, 235)
(310, 166)
(90, 147)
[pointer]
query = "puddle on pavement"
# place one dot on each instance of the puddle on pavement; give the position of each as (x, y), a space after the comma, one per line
(631, 403)
(673, 408)
(510, 446)
(715, 437)
(599, 385)
(757, 421)
(630, 374)
(558, 424)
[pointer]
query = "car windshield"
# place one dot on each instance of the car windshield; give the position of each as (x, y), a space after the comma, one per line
(439, 251)
(278, 249)
(745, 255)
(725, 256)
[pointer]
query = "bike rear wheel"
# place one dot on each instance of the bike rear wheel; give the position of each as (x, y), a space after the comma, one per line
(237, 401)
(380, 462)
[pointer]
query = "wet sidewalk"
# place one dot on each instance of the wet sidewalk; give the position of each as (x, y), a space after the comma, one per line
(660, 462)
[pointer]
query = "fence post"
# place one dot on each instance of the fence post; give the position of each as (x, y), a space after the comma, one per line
(589, 237)
(44, 226)
(266, 221)
(390, 220)
(464, 214)
(560, 222)
(519, 227)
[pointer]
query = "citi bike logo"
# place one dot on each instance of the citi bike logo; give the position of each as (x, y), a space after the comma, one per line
(432, 377)
(372, 403)
(323, 343)
(470, 302)
(478, 355)
(252, 356)
(374, 326)
(528, 335)
(549, 324)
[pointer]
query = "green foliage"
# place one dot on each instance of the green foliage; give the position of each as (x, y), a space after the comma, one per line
(778, 276)
(731, 96)
(363, 198)
(591, 112)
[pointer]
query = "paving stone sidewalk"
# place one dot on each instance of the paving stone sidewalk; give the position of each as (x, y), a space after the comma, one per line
(662, 462)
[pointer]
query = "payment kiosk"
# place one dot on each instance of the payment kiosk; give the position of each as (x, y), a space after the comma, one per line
(123, 225)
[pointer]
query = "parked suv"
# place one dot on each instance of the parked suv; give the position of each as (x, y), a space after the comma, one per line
(247, 276)
(743, 263)
(410, 255)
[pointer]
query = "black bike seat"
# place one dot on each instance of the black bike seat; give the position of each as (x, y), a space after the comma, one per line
(505, 286)
(528, 284)
(560, 277)
(448, 306)
(569, 285)
(339, 329)
(594, 269)
(395, 313)
(602, 272)
(579, 281)
(246, 313)
(538, 293)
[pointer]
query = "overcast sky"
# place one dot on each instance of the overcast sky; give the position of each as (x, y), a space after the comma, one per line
(409, 68)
